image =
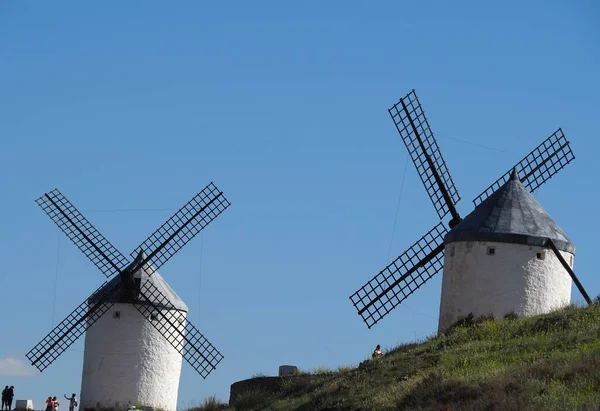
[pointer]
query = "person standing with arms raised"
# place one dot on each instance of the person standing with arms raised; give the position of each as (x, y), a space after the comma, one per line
(72, 401)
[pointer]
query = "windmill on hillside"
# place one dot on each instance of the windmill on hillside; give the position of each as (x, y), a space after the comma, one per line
(508, 255)
(133, 354)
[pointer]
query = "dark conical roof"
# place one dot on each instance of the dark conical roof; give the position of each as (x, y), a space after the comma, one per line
(510, 215)
(143, 274)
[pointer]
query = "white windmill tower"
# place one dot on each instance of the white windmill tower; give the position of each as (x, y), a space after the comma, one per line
(133, 354)
(507, 256)
(126, 359)
(497, 260)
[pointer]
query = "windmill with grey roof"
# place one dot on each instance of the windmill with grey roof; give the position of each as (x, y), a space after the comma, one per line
(136, 327)
(506, 256)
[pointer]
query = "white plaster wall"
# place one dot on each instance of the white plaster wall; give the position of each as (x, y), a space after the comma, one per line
(512, 280)
(127, 361)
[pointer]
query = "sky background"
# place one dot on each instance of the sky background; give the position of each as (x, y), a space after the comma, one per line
(138, 105)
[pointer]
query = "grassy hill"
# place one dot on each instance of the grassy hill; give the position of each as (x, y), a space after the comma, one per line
(549, 362)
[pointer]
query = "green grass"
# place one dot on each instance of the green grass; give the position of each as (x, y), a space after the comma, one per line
(549, 362)
(210, 404)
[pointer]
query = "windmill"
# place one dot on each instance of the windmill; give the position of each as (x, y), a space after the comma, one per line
(495, 260)
(133, 355)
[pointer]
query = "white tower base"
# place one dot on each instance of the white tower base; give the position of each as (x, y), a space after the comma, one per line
(511, 278)
(127, 361)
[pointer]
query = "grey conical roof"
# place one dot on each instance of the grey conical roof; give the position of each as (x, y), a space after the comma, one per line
(510, 215)
(155, 279)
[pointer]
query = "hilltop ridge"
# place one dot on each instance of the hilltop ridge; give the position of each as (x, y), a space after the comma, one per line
(546, 362)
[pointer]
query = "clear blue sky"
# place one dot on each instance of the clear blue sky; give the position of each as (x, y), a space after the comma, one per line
(283, 105)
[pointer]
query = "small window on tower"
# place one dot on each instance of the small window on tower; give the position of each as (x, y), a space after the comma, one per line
(541, 255)
(491, 251)
(117, 314)
(451, 251)
(571, 261)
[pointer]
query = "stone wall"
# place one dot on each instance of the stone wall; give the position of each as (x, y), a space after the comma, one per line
(265, 384)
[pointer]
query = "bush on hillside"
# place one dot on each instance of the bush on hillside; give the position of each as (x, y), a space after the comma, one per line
(252, 399)
(210, 404)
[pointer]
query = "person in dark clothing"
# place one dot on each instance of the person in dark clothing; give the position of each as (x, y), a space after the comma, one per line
(72, 402)
(4, 392)
(9, 397)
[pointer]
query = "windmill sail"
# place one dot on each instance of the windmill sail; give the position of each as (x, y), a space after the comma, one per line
(179, 332)
(70, 329)
(401, 277)
(83, 234)
(412, 125)
(537, 167)
(178, 230)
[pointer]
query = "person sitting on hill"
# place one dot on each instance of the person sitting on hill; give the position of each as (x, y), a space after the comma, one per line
(377, 353)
